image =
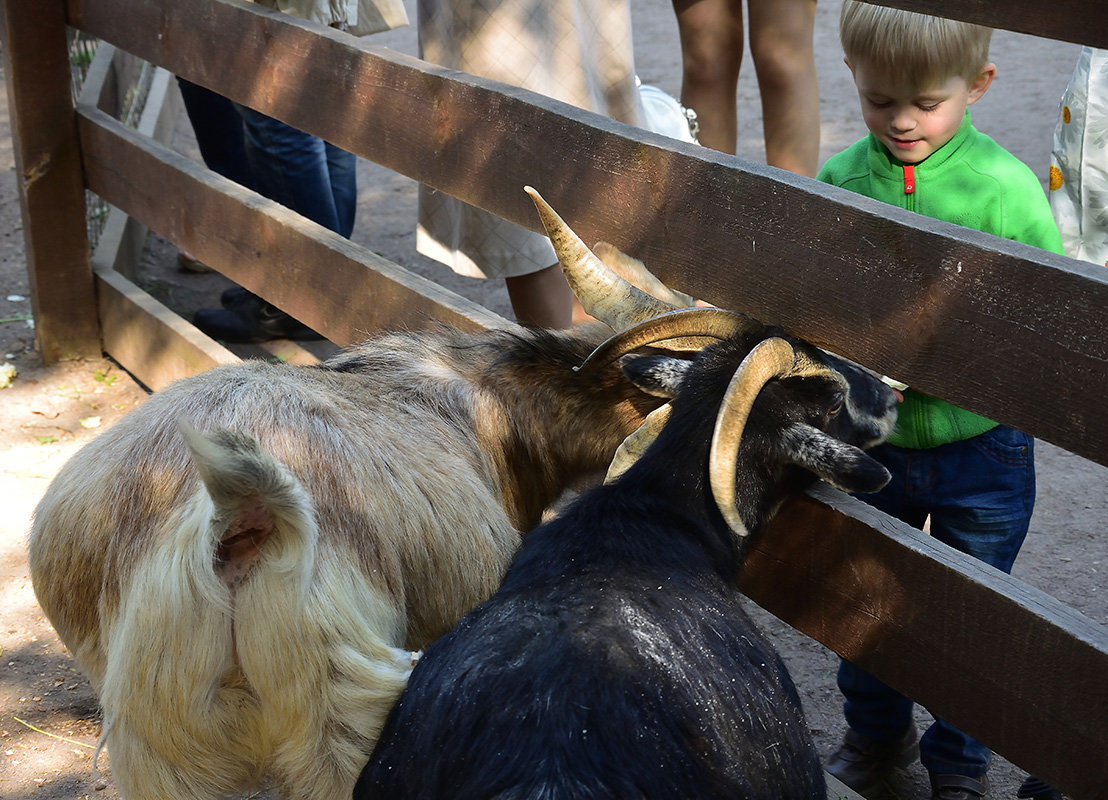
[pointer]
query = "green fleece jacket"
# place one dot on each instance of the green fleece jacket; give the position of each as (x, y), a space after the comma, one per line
(970, 181)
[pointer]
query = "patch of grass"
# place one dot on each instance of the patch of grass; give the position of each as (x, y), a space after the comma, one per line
(106, 378)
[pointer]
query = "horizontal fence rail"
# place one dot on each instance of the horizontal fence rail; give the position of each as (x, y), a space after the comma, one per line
(901, 293)
(995, 657)
(265, 246)
(1079, 21)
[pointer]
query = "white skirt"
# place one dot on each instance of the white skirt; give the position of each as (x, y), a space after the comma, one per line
(576, 51)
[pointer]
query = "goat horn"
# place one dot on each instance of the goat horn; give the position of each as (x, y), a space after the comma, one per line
(635, 444)
(635, 272)
(602, 292)
(770, 359)
(685, 329)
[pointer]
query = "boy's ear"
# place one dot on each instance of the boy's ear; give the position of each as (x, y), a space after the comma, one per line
(980, 84)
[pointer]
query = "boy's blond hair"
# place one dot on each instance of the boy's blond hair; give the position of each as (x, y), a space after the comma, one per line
(915, 47)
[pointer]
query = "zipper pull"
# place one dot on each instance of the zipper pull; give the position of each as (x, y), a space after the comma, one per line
(909, 179)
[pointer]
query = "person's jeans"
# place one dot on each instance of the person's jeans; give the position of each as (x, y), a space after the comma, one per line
(979, 494)
(219, 131)
(301, 171)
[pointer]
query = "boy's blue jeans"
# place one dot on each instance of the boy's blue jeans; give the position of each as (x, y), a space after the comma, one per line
(301, 171)
(979, 494)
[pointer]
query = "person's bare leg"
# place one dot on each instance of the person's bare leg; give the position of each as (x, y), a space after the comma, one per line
(542, 298)
(711, 33)
(784, 60)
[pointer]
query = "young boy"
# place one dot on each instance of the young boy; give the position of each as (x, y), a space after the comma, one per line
(916, 76)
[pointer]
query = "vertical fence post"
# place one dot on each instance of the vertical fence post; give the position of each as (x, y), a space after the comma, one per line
(51, 186)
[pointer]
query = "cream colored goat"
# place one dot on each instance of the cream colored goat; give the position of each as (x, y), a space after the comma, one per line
(243, 565)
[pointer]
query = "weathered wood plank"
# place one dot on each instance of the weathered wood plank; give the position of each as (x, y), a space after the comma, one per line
(152, 343)
(263, 245)
(1080, 21)
(122, 238)
(927, 302)
(48, 167)
(992, 655)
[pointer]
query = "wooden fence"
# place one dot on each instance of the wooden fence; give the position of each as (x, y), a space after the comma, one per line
(1003, 329)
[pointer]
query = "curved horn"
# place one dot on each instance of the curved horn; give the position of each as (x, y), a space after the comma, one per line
(769, 359)
(684, 329)
(635, 272)
(635, 444)
(603, 293)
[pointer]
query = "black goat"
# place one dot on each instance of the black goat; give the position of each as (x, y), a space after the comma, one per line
(616, 660)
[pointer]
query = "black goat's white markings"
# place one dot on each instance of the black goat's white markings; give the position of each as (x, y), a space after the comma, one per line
(842, 465)
(658, 375)
(808, 445)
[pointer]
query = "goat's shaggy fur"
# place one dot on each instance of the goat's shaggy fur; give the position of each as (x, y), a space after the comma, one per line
(243, 564)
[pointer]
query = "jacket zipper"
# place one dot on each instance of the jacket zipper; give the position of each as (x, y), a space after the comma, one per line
(910, 186)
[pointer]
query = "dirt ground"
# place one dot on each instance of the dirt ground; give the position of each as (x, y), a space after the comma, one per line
(49, 721)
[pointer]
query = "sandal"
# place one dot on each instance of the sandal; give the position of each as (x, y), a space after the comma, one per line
(190, 263)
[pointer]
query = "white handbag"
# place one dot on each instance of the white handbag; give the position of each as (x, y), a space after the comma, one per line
(665, 115)
(369, 16)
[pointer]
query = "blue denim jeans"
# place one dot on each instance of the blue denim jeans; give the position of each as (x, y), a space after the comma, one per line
(219, 131)
(979, 494)
(301, 171)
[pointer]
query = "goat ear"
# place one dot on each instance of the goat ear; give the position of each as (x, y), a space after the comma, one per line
(660, 376)
(636, 444)
(842, 465)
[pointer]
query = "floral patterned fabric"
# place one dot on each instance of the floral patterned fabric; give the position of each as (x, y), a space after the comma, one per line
(1079, 160)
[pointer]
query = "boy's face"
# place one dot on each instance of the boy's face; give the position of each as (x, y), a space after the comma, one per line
(914, 121)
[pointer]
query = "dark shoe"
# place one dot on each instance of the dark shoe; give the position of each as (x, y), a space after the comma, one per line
(1035, 789)
(863, 763)
(235, 296)
(251, 322)
(958, 787)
